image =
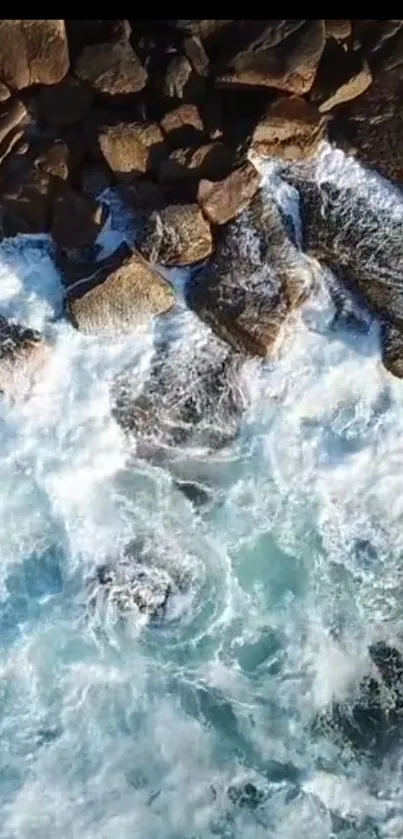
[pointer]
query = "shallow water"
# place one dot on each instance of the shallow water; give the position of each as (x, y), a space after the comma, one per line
(112, 729)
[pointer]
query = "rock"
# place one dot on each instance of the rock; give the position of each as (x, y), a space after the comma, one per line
(203, 29)
(77, 264)
(198, 494)
(253, 282)
(351, 230)
(76, 219)
(392, 349)
(12, 120)
(111, 68)
(340, 30)
(178, 77)
(132, 586)
(32, 52)
(22, 351)
(4, 92)
(10, 142)
(289, 66)
(211, 161)
(131, 148)
(193, 397)
(246, 795)
(65, 103)
(341, 77)
(222, 200)
(56, 160)
(119, 298)
(196, 54)
(177, 235)
(183, 126)
(291, 129)
(26, 197)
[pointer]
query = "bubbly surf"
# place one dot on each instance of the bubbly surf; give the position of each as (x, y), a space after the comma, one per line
(115, 728)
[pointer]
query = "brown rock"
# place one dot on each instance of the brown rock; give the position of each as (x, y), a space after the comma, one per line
(111, 68)
(341, 77)
(10, 142)
(222, 200)
(120, 299)
(196, 54)
(65, 103)
(56, 160)
(392, 349)
(76, 219)
(177, 235)
(32, 52)
(22, 352)
(255, 279)
(290, 66)
(131, 148)
(211, 161)
(340, 30)
(183, 126)
(12, 115)
(177, 77)
(291, 129)
(4, 92)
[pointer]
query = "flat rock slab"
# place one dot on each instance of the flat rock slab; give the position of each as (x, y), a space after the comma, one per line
(119, 298)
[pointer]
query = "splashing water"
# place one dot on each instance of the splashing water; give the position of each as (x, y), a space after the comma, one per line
(198, 724)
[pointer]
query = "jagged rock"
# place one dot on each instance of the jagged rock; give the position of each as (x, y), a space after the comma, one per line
(177, 235)
(65, 103)
(55, 159)
(193, 396)
(178, 77)
(289, 66)
(253, 282)
(76, 219)
(347, 228)
(392, 349)
(222, 200)
(131, 148)
(291, 129)
(32, 52)
(111, 68)
(22, 351)
(341, 77)
(183, 126)
(119, 299)
(340, 30)
(211, 161)
(196, 54)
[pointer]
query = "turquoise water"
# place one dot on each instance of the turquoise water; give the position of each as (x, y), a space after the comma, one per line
(115, 728)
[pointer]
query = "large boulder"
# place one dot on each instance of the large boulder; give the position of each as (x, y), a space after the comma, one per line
(32, 52)
(291, 129)
(193, 398)
(111, 68)
(177, 235)
(350, 226)
(222, 200)
(22, 352)
(119, 297)
(255, 279)
(131, 148)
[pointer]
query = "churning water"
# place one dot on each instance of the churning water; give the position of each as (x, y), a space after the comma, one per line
(128, 729)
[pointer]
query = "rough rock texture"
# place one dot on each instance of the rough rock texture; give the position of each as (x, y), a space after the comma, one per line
(132, 586)
(392, 349)
(120, 299)
(32, 52)
(341, 77)
(183, 126)
(111, 68)
(78, 264)
(255, 279)
(177, 235)
(354, 230)
(290, 65)
(65, 103)
(131, 148)
(55, 158)
(178, 77)
(211, 161)
(22, 351)
(192, 397)
(291, 129)
(222, 200)
(12, 118)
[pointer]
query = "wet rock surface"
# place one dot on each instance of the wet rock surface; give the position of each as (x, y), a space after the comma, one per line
(22, 351)
(177, 235)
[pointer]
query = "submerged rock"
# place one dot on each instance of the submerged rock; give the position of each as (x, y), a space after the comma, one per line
(122, 294)
(127, 587)
(192, 396)
(22, 350)
(255, 279)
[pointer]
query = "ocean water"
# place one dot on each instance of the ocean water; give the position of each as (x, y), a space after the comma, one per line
(116, 728)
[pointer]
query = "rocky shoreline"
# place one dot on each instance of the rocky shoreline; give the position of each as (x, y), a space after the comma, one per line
(171, 113)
